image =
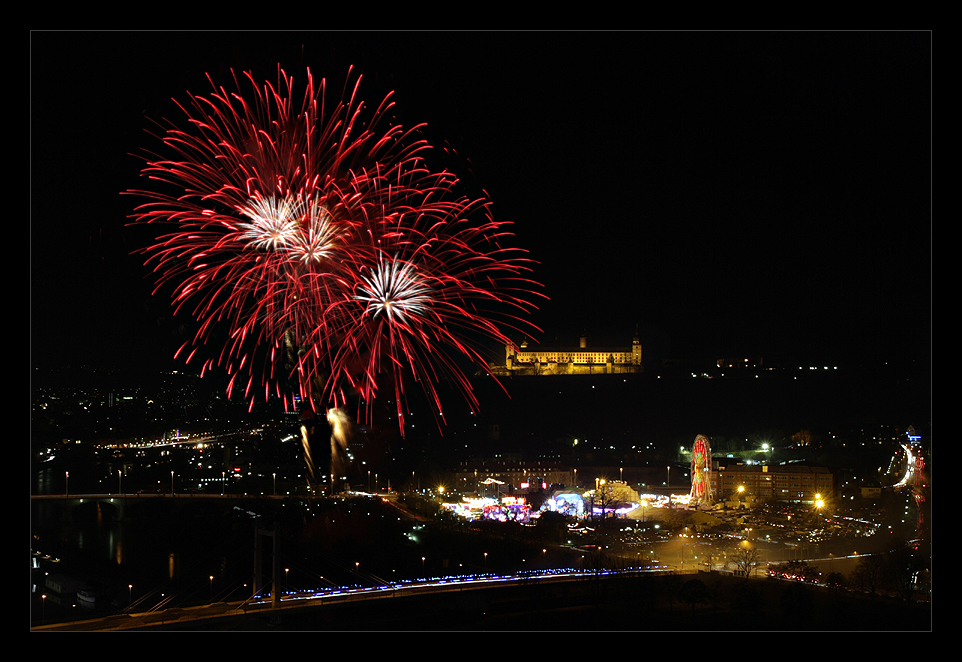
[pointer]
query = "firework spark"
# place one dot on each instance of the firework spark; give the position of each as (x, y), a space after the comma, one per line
(323, 247)
(395, 291)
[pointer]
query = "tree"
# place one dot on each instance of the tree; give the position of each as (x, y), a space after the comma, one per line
(711, 557)
(746, 558)
(602, 497)
(869, 574)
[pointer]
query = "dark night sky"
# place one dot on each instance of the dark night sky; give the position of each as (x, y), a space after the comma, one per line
(747, 193)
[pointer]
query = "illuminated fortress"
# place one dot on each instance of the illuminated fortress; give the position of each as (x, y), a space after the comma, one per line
(581, 360)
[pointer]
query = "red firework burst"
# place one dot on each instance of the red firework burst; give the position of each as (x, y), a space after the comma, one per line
(324, 246)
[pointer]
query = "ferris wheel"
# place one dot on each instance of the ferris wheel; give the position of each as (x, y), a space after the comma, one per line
(700, 472)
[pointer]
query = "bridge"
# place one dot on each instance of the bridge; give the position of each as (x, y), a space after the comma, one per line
(265, 606)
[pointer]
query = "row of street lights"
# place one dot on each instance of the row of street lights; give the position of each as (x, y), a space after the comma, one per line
(120, 483)
(120, 490)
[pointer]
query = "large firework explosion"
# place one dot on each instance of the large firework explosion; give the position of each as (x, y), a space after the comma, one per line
(319, 240)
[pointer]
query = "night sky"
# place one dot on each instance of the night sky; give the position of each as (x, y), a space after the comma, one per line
(725, 193)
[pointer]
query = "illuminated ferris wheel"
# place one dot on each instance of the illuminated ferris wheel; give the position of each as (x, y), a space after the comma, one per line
(700, 472)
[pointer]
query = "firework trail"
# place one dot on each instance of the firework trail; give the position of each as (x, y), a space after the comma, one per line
(319, 253)
(340, 436)
(308, 459)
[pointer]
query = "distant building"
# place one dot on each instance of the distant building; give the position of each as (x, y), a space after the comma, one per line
(785, 482)
(580, 360)
(491, 477)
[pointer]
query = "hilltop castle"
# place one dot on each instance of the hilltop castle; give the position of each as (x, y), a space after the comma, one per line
(581, 360)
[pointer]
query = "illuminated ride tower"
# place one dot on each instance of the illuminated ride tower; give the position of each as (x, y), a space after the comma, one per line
(700, 473)
(919, 489)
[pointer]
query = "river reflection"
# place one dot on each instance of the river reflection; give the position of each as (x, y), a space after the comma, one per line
(136, 549)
